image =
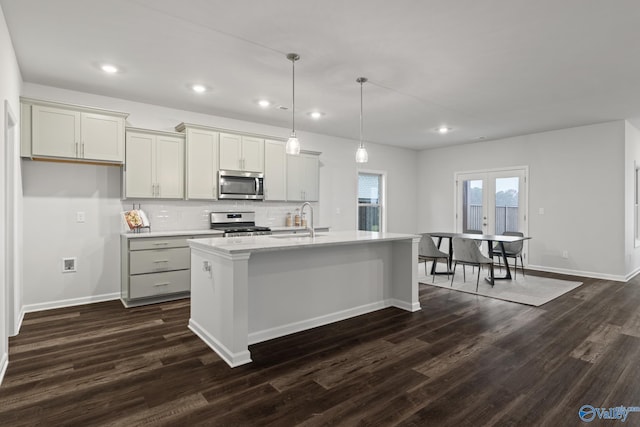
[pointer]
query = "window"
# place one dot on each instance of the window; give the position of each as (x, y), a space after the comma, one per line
(370, 201)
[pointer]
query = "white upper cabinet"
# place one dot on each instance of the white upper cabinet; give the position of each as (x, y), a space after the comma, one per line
(102, 137)
(275, 170)
(302, 177)
(55, 132)
(252, 154)
(202, 164)
(72, 132)
(241, 153)
(155, 165)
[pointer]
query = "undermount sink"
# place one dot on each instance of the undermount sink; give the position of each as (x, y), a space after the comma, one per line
(297, 236)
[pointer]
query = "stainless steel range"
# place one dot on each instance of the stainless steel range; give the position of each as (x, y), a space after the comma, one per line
(237, 224)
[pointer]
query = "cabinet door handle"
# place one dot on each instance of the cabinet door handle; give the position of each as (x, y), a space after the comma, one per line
(161, 284)
(159, 261)
(77, 152)
(82, 150)
(158, 187)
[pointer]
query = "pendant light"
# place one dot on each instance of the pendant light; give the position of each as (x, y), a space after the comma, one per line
(293, 145)
(361, 153)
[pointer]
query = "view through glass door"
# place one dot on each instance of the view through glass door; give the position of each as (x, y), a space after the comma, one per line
(491, 202)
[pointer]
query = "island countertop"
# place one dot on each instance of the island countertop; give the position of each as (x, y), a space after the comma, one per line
(235, 245)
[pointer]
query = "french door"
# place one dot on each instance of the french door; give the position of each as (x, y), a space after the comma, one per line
(491, 202)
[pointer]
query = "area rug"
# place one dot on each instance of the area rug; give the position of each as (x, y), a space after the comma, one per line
(529, 290)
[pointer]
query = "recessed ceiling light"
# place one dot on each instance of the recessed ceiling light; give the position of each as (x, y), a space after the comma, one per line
(264, 103)
(199, 88)
(316, 114)
(108, 68)
(443, 129)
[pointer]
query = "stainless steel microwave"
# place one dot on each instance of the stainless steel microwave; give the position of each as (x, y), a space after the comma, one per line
(240, 185)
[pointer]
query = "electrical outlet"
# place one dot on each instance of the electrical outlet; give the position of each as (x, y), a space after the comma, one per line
(69, 265)
(80, 217)
(565, 254)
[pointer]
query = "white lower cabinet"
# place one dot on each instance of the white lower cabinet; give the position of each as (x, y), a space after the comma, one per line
(155, 269)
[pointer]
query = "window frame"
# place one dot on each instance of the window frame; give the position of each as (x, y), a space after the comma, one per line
(382, 203)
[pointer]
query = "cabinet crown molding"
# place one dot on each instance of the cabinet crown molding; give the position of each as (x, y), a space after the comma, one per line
(155, 132)
(75, 107)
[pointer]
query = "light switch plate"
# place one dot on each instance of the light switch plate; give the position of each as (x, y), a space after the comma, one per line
(80, 217)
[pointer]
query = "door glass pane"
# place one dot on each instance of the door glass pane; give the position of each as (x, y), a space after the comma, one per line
(507, 196)
(472, 206)
(369, 198)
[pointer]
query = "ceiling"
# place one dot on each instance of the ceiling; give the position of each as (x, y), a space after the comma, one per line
(486, 69)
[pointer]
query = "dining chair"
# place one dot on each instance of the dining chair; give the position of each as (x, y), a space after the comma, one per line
(511, 250)
(466, 252)
(427, 251)
(478, 242)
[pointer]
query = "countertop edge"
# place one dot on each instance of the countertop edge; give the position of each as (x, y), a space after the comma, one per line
(269, 243)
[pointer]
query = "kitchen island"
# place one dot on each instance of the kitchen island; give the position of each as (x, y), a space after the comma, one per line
(246, 290)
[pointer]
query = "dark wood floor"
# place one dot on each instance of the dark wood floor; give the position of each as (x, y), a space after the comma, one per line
(462, 360)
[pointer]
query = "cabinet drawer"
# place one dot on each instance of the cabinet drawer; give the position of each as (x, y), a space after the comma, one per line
(153, 261)
(157, 243)
(170, 282)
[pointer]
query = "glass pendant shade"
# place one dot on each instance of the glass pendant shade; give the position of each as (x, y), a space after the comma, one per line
(293, 145)
(361, 155)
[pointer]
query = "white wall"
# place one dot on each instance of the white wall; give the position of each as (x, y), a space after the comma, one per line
(632, 160)
(575, 174)
(10, 83)
(54, 192)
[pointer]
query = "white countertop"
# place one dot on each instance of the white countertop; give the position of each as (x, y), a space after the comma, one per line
(233, 245)
(294, 229)
(130, 235)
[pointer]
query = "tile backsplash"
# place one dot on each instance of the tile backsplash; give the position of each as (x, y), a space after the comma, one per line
(166, 215)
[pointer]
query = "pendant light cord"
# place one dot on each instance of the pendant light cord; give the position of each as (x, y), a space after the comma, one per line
(361, 83)
(293, 109)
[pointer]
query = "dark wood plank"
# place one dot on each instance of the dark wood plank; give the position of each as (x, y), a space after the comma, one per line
(462, 360)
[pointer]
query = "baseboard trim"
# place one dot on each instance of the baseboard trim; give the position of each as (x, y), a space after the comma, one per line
(232, 359)
(633, 274)
(405, 305)
(569, 272)
(291, 328)
(4, 364)
(19, 323)
(30, 308)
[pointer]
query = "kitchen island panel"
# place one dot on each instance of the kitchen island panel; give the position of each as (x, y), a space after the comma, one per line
(249, 290)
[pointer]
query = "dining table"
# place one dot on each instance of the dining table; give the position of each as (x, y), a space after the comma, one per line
(500, 239)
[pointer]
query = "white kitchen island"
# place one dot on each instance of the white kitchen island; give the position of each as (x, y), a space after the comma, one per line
(245, 290)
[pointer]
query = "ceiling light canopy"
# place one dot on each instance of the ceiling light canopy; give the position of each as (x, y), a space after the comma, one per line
(293, 145)
(361, 154)
(198, 88)
(264, 103)
(443, 129)
(316, 114)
